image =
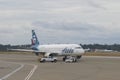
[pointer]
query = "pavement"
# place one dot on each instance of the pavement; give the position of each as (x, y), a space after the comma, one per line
(27, 67)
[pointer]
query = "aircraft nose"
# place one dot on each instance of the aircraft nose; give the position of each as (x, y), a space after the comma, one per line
(83, 51)
(79, 51)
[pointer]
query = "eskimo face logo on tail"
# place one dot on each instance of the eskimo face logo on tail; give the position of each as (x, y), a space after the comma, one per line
(34, 38)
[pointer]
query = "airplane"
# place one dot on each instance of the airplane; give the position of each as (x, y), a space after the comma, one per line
(52, 50)
(56, 49)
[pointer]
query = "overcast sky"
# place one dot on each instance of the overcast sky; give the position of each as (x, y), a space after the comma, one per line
(60, 21)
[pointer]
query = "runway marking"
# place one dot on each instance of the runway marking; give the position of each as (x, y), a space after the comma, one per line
(103, 57)
(6, 76)
(31, 72)
(21, 66)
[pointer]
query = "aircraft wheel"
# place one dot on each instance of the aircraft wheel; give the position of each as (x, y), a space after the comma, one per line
(64, 58)
(55, 60)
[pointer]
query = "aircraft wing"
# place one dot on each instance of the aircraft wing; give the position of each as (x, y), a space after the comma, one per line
(22, 50)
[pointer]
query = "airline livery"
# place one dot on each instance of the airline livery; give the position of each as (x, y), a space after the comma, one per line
(51, 50)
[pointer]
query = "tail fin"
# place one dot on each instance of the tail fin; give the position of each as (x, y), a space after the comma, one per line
(34, 39)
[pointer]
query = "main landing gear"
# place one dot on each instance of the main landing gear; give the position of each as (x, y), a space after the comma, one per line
(71, 58)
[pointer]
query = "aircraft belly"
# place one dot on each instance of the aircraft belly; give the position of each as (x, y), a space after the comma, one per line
(71, 54)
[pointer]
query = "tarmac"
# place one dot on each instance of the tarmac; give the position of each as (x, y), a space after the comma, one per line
(27, 67)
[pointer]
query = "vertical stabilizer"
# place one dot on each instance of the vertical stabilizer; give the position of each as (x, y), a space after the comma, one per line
(34, 39)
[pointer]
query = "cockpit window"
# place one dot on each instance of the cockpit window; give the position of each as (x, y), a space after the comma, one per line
(78, 48)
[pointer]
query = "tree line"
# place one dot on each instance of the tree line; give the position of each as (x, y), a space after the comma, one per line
(115, 47)
(6, 47)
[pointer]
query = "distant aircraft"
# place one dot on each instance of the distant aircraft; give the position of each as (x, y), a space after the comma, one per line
(51, 50)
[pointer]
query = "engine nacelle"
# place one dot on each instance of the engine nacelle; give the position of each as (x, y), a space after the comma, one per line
(50, 54)
(47, 54)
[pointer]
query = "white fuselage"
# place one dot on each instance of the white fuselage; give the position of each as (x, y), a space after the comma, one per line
(61, 49)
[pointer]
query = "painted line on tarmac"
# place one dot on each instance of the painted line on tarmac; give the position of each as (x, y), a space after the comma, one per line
(8, 75)
(31, 72)
(109, 57)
